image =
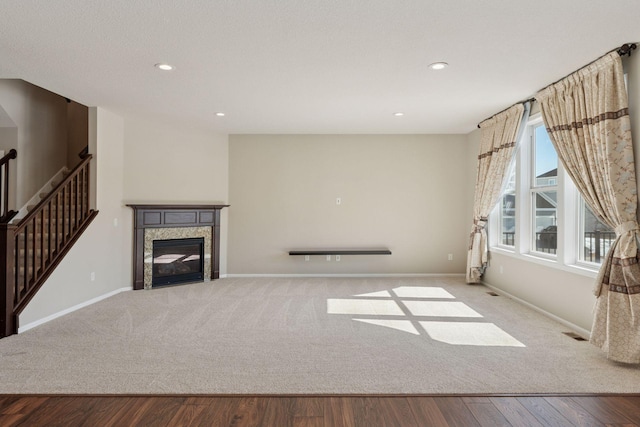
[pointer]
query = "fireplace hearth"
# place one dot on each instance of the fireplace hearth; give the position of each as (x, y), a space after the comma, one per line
(177, 261)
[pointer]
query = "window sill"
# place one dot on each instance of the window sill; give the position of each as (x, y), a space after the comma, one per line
(579, 269)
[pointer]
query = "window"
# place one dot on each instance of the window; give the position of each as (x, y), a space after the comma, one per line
(544, 192)
(552, 222)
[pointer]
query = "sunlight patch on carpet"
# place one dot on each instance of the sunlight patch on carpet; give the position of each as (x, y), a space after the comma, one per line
(414, 307)
(470, 333)
(400, 325)
(381, 294)
(421, 292)
(440, 309)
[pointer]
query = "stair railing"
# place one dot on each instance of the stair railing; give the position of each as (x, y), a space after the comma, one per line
(5, 213)
(37, 244)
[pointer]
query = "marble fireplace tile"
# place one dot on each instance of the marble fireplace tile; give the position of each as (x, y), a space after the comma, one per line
(151, 234)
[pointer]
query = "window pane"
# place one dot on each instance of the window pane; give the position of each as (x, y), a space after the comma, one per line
(546, 159)
(509, 219)
(545, 205)
(508, 211)
(596, 236)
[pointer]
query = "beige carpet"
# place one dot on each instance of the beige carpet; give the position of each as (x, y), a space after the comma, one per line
(310, 336)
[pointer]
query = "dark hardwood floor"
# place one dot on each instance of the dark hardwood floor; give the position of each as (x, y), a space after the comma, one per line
(310, 411)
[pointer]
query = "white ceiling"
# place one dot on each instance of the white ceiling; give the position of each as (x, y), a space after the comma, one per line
(308, 66)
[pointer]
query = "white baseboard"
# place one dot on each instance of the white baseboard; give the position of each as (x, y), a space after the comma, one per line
(70, 309)
(348, 275)
(584, 333)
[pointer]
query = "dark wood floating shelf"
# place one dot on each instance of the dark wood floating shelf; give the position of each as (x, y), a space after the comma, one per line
(342, 252)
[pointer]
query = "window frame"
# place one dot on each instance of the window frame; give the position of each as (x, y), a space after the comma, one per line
(567, 256)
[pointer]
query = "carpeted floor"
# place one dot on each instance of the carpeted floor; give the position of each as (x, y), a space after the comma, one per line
(308, 336)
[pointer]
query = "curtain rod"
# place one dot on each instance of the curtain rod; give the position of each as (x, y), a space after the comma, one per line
(502, 111)
(625, 49)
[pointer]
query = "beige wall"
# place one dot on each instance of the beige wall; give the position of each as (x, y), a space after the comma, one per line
(104, 248)
(41, 119)
(78, 132)
(402, 192)
(8, 131)
(473, 150)
(563, 294)
(172, 164)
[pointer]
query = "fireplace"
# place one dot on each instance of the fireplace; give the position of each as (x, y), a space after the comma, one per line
(177, 261)
(153, 223)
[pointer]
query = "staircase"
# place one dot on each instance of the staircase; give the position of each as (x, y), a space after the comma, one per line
(32, 247)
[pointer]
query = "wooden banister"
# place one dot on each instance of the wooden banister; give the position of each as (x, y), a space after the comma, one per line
(12, 154)
(5, 213)
(7, 257)
(31, 249)
(84, 164)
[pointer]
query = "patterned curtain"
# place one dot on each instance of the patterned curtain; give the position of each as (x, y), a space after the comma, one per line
(587, 118)
(499, 135)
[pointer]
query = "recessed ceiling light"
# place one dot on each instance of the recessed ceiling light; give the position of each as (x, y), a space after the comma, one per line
(398, 114)
(438, 65)
(165, 67)
(220, 114)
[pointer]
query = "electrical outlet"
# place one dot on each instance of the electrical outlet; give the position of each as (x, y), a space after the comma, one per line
(328, 257)
(93, 276)
(450, 257)
(338, 201)
(115, 222)
(337, 258)
(306, 257)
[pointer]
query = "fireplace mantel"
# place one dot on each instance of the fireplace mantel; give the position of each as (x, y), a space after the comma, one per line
(155, 216)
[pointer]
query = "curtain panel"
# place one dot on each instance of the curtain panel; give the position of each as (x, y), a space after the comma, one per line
(499, 136)
(587, 118)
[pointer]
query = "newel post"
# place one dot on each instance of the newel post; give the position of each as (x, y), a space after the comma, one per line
(8, 324)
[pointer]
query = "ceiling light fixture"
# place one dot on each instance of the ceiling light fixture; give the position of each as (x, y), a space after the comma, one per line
(220, 114)
(398, 114)
(438, 65)
(165, 67)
